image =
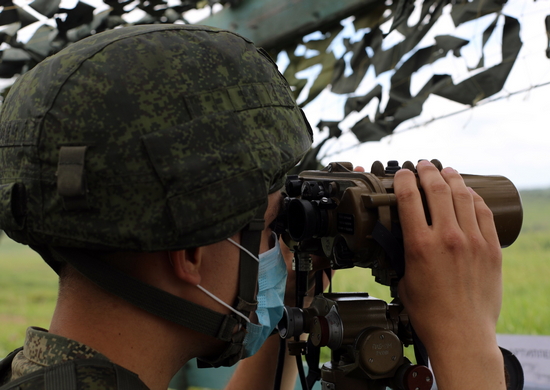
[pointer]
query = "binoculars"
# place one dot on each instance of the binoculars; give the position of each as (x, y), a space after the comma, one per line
(352, 219)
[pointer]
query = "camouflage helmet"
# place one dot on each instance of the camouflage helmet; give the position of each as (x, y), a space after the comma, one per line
(146, 138)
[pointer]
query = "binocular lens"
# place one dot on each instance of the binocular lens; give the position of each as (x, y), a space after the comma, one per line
(305, 220)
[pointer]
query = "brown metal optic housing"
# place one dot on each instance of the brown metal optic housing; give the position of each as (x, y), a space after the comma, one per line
(361, 199)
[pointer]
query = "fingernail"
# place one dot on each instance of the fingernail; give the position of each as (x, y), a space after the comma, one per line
(449, 170)
(425, 163)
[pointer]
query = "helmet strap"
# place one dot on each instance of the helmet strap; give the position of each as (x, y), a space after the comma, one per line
(251, 237)
(149, 298)
(246, 302)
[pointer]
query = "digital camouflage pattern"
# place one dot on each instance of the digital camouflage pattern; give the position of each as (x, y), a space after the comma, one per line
(146, 138)
(44, 352)
(43, 349)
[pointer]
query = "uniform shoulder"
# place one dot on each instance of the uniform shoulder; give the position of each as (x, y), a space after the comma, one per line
(87, 374)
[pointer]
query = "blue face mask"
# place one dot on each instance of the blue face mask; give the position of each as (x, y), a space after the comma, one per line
(271, 292)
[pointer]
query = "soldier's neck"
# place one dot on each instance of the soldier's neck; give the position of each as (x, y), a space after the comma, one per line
(149, 346)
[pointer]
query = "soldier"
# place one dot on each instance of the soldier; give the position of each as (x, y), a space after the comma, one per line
(144, 165)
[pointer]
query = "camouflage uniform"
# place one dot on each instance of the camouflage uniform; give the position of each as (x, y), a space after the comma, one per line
(43, 350)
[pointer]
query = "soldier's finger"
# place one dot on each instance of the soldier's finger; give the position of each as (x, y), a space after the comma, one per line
(409, 202)
(463, 201)
(438, 195)
(485, 218)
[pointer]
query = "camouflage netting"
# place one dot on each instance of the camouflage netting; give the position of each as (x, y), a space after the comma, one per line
(369, 49)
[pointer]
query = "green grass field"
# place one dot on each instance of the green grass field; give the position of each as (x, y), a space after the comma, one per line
(28, 287)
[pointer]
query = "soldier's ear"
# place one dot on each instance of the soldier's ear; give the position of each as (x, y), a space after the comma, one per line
(186, 264)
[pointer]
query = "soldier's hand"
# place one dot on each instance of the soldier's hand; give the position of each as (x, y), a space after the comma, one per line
(452, 287)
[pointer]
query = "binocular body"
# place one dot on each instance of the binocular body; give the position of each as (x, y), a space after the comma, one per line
(352, 217)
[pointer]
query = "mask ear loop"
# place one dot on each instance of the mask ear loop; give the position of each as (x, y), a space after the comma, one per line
(243, 249)
(222, 302)
(212, 295)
